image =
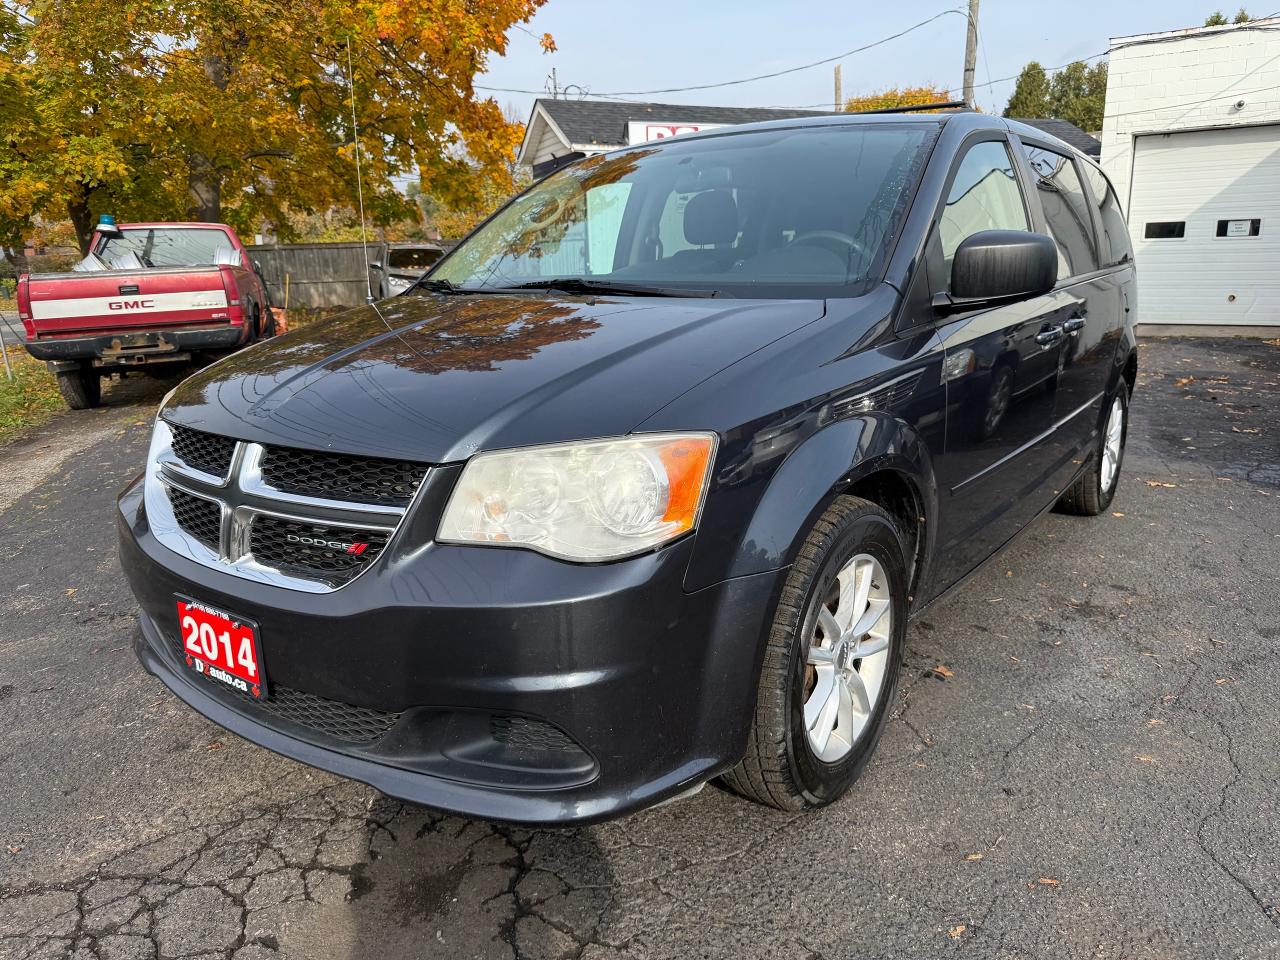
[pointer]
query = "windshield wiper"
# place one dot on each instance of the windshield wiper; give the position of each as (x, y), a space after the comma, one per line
(440, 286)
(584, 285)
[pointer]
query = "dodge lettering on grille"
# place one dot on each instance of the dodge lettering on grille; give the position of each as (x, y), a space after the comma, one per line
(355, 549)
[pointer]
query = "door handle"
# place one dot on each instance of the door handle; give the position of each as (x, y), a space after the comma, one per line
(1074, 324)
(1050, 335)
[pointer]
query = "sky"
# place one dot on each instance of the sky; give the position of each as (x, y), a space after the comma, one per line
(608, 47)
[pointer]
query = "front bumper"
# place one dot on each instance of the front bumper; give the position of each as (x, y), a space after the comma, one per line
(136, 348)
(622, 688)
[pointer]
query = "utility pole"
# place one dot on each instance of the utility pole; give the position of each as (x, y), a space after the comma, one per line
(839, 92)
(552, 86)
(971, 55)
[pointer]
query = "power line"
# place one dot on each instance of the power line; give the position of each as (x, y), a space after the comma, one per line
(763, 76)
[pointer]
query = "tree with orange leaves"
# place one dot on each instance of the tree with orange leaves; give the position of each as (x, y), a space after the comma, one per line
(241, 112)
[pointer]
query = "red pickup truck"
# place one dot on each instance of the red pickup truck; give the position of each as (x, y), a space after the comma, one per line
(148, 293)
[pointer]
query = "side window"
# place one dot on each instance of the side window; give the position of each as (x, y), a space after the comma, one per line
(984, 196)
(1066, 208)
(1115, 231)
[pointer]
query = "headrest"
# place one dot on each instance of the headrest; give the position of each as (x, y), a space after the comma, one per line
(711, 217)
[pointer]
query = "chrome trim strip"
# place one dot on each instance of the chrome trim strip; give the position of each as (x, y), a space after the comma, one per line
(991, 467)
(172, 464)
(252, 481)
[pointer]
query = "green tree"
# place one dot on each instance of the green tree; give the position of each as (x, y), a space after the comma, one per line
(1077, 93)
(1218, 19)
(1030, 99)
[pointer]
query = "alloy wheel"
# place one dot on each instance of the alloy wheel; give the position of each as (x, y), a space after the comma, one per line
(847, 659)
(1112, 441)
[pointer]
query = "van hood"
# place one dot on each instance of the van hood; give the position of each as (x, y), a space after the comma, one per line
(437, 378)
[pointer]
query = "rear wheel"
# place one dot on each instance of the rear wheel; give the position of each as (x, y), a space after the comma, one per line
(831, 664)
(1095, 488)
(81, 389)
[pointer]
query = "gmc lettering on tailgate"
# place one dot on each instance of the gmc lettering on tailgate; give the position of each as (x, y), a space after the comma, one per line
(131, 304)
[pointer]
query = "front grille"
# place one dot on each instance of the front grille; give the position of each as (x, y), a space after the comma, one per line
(526, 734)
(331, 554)
(202, 451)
(198, 517)
(338, 476)
(333, 718)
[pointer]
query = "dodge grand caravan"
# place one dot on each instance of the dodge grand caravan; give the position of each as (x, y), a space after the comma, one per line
(640, 485)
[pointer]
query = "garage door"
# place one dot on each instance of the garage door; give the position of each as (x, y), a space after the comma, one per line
(1205, 218)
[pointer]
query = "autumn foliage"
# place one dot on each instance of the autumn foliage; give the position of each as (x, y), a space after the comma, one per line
(896, 97)
(240, 111)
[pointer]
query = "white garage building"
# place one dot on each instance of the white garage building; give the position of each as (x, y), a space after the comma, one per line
(1191, 138)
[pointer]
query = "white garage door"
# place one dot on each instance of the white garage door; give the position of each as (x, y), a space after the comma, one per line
(1205, 219)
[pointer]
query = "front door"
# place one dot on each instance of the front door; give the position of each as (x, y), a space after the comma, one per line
(1001, 371)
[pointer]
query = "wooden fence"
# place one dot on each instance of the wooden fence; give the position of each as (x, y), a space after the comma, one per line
(317, 274)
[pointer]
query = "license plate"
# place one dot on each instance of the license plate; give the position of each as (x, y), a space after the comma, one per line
(221, 646)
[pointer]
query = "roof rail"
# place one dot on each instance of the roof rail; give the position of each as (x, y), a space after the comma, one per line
(919, 107)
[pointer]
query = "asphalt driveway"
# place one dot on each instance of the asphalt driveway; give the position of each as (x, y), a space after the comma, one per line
(1083, 763)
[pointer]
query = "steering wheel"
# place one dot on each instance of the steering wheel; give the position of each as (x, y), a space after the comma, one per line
(838, 243)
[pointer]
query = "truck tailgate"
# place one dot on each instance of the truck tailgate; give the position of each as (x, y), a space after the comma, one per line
(66, 304)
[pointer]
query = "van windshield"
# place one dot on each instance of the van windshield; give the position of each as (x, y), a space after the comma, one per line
(168, 247)
(793, 212)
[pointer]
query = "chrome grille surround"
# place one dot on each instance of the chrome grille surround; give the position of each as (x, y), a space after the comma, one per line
(243, 498)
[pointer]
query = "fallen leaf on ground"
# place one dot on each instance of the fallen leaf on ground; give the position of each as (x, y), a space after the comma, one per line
(1158, 483)
(70, 591)
(14, 851)
(957, 931)
(1221, 680)
(1184, 381)
(1154, 723)
(1144, 759)
(1245, 430)
(1048, 882)
(943, 672)
(971, 857)
(1116, 514)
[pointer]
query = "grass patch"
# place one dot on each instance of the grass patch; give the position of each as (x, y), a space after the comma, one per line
(30, 398)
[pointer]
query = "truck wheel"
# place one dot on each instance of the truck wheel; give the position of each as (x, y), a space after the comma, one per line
(82, 389)
(831, 663)
(269, 327)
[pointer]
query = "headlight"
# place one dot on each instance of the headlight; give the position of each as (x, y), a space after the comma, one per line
(590, 501)
(398, 284)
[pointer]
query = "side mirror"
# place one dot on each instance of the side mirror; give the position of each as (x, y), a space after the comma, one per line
(1000, 266)
(375, 264)
(257, 267)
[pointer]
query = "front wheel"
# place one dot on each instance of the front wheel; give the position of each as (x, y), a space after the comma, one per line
(831, 664)
(1095, 488)
(81, 389)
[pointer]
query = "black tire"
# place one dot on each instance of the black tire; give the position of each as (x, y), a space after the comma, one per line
(81, 389)
(269, 327)
(780, 768)
(1087, 497)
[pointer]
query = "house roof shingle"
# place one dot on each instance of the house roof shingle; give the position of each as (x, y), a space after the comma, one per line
(605, 122)
(1068, 132)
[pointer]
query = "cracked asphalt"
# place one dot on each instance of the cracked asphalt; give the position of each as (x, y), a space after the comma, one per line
(1083, 763)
